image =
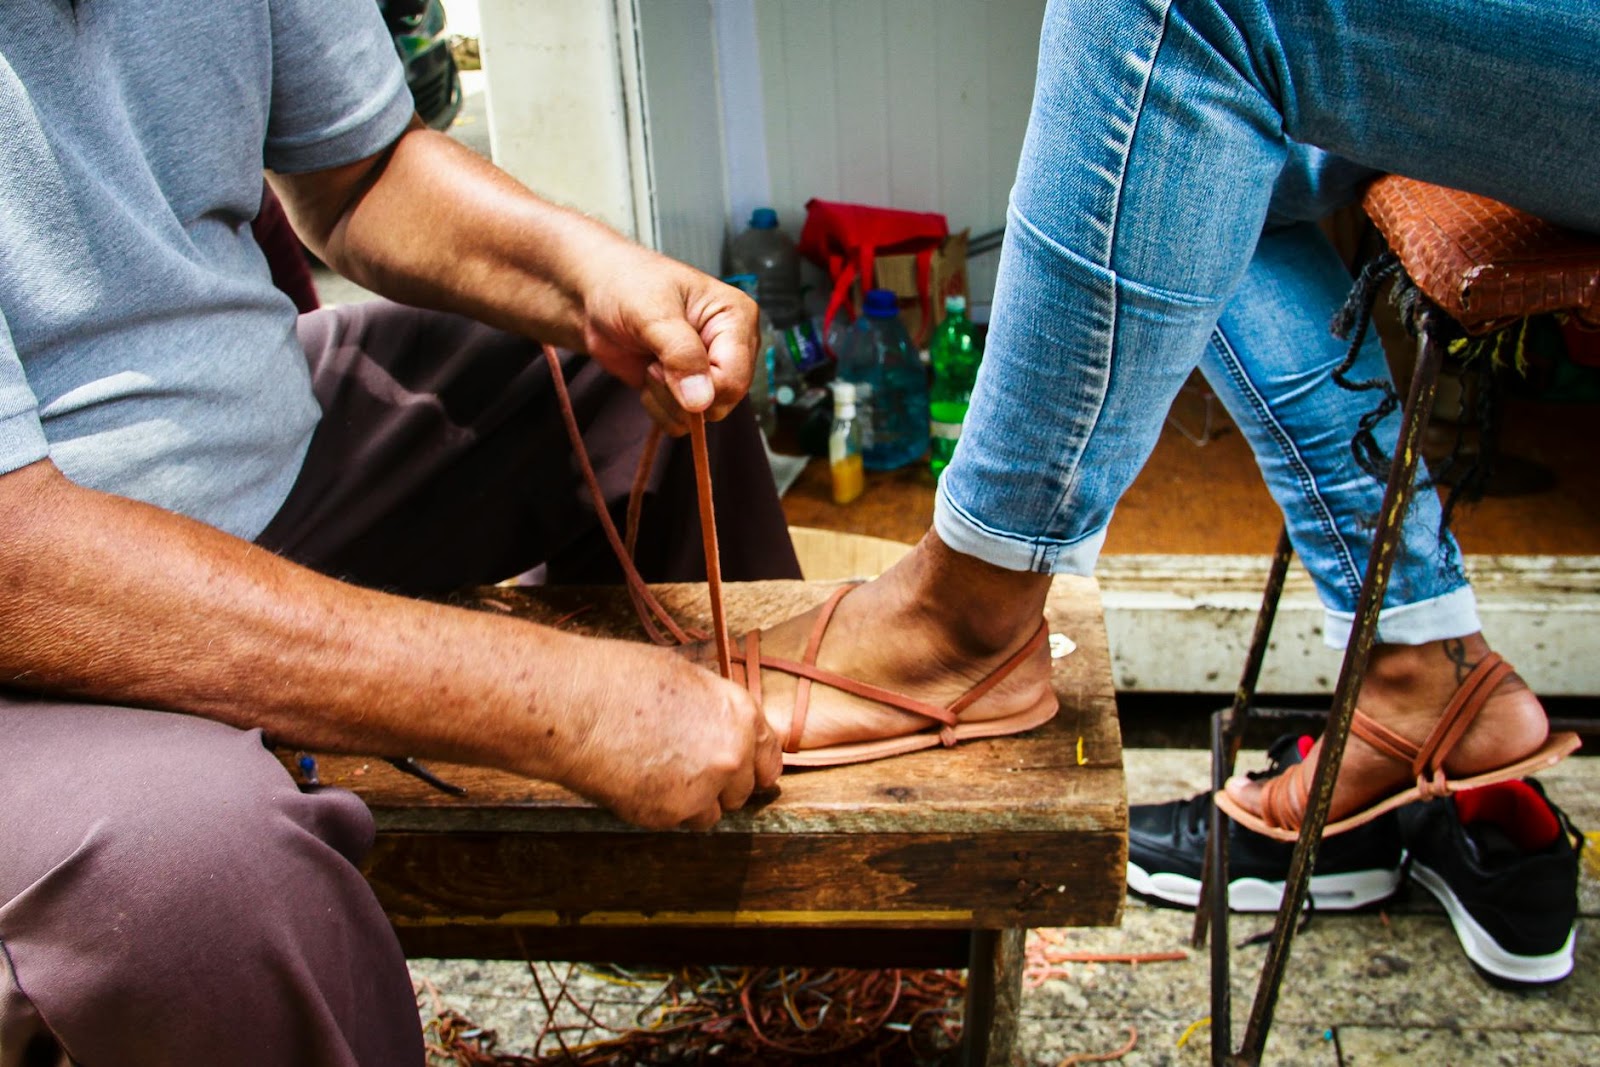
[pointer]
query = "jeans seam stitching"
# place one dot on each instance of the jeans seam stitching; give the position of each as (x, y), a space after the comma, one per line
(1125, 149)
(1308, 485)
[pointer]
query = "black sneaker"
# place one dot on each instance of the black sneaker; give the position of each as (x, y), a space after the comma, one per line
(1167, 847)
(1503, 862)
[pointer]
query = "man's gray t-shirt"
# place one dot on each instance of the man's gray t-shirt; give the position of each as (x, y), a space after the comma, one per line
(143, 348)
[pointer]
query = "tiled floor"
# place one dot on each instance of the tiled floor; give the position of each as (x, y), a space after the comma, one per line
(1384, 986)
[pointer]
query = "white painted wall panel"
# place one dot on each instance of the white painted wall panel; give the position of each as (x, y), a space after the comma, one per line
(557, 116)
(917, 104)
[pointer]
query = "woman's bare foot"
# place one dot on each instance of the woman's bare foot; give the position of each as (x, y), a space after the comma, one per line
(930, 628)
(1406, 689)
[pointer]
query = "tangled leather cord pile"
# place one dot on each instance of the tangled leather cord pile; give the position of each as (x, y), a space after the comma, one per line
(772, 1016)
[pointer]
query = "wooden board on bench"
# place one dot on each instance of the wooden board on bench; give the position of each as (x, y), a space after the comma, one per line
(1015, 832)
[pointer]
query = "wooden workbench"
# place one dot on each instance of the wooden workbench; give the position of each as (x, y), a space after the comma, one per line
(939, 858)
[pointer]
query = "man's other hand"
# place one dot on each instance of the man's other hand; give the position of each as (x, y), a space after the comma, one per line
(659, 741)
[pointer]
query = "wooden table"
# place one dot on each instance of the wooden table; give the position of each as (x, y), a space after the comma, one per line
(941, 858)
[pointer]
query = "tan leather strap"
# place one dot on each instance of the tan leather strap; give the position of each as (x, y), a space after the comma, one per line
(1398, 748)
(1283, 799)
(752, 665)
(802, 688)
(1458, 715)
(650, 610)
(708, 540)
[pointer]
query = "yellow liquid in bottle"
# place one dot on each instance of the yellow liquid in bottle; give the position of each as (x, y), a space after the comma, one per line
(849, 479)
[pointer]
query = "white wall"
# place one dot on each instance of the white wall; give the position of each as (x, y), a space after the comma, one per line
(683, 133)
(558, 112)
(917, 104)
(671, 119)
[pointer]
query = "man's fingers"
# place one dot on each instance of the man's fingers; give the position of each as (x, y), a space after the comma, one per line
(662, 408)
(685, 363)
(769, 756)
(735, 351)
(705, 820)
(738, 788)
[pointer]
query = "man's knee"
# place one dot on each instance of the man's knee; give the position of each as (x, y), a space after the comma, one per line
(188, 864)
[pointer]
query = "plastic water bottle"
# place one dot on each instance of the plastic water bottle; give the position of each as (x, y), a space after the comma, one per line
(768, 253)
(761, 400)
(956, 351)
(891, 385)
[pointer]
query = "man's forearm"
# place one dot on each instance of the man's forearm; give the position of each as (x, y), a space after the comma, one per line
(120, 602)
(431, 223)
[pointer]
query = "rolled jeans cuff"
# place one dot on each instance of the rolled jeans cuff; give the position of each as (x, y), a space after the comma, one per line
(960, 531)
(1455, 614)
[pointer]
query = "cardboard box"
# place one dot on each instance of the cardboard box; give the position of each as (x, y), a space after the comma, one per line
(947, 276)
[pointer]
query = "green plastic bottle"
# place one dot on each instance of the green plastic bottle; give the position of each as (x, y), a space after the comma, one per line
(955, 352)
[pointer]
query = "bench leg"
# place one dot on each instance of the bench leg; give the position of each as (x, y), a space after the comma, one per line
(994, 998)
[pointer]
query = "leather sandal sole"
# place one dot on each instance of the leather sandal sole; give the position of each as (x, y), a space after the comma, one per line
(1556, 748)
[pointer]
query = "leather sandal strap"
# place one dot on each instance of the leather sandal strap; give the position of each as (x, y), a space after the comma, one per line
(708, 539)
(810, 672)
(752, 665)
(658, 623)
(1459, 714)
(638, 591)
(1396, 747)
(802, 688)
(1280, 807)
(807, 671)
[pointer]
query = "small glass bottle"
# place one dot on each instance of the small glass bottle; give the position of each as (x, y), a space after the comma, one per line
(844, 446)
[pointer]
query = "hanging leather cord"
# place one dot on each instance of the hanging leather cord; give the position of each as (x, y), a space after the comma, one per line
(657, 621)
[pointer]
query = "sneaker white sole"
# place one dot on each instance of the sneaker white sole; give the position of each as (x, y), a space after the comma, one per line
(1484, 950)
(1329, 892)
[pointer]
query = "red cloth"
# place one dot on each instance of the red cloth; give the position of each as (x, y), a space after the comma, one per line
(846, 239)
(290, 271)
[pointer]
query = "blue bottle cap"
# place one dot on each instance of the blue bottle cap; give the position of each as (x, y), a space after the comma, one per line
(882, 304)
(763, 218)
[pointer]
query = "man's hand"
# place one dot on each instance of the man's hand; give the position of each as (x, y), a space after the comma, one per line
(659, 741)
(684, 338)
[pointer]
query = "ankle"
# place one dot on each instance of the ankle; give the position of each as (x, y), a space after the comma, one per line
(982, 609)
(1403, 667)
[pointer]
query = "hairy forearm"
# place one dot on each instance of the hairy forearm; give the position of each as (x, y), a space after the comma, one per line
(119, 602)
(435, 225)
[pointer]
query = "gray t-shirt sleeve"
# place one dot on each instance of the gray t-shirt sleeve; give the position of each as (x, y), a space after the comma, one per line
(339, 90)
(22, 438)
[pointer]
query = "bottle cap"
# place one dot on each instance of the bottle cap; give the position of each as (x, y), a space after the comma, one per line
(763, 218)
(843, 393)
(882, 304)
(955, 302)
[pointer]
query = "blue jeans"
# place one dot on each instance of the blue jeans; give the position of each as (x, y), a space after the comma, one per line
(1164, 136)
